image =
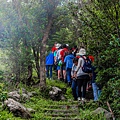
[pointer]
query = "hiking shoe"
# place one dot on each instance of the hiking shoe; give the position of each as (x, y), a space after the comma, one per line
(83, 99)
(78, 98)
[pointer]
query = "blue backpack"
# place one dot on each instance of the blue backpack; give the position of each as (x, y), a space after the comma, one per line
(87, 66)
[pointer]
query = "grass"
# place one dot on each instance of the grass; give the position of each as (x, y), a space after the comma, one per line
(41, 102)
(38, 103)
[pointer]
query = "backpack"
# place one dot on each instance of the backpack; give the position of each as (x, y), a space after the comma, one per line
(87, 66)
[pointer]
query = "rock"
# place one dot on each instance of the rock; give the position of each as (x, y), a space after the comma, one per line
(100, 110)
(25, 97)
(31, 110)
(31, 94)
(17, 109)
(62, 97)
(14, 95)
(56, 94)
(21, 95)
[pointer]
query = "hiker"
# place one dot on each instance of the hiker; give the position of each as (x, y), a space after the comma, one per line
(58, 62)
(63, 53)
(57, 46)
(68, 61)
(55, 52)
(75, 50)
(82, 77)
(54, 48)
(96, 89)
(49, 64)
(74, 80)
(89, 84)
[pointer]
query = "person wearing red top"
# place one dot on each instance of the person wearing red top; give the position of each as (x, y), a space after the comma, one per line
(63, 53)
(54, 48)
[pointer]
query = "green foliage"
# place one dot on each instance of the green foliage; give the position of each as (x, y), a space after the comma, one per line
(41, 102)
(87, 115)
(4, 115)
(3, 93)
(99, 23)
(56, 83)
(95, 25)
(1, 75)
(63, 30)
(111, 93)
(63, 36)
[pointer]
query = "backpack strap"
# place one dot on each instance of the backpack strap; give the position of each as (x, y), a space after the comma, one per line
(79, 65)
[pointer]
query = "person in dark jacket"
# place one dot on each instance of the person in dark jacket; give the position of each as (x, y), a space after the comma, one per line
(49, 64)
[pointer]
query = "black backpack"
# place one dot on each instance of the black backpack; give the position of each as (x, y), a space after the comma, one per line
(87, 66)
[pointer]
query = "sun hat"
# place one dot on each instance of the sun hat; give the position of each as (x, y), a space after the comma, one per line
(58, 45)
(67, 45)
(82, 52)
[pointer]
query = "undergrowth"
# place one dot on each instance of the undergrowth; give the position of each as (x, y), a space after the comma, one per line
(41, 100)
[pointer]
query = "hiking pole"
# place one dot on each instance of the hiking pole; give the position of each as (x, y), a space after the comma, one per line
(110, 110)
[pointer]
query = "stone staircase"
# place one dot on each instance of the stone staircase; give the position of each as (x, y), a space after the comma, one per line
(66, 111)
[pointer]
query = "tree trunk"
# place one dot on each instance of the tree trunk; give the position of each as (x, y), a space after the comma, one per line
(42, 55)
(50, 12)
(29, 79)
(36, 57)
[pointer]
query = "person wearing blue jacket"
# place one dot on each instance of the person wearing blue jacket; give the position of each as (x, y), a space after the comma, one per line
(69, 63)
(49, 64)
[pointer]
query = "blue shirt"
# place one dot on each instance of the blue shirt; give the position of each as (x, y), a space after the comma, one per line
(50, 59)
(69, 61)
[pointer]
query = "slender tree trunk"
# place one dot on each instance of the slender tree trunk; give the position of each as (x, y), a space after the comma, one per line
(42, 55)
(36, 57)
(50, 12)
(29, 79)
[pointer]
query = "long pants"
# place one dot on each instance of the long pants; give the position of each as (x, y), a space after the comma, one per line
(68, 72)
(82, 82)
(62, 68)
(96, 91)
(49, 71)
(74, 89)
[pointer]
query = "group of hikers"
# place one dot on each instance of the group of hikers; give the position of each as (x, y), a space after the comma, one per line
(75, 68)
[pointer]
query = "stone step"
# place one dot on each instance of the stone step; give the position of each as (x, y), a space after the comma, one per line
(62, 106)
(61, 110)
(61, 118)
(69, 102)
(70, 115)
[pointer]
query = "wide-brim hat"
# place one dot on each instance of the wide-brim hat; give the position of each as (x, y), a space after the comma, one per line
(58, 45)
(81, 52)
